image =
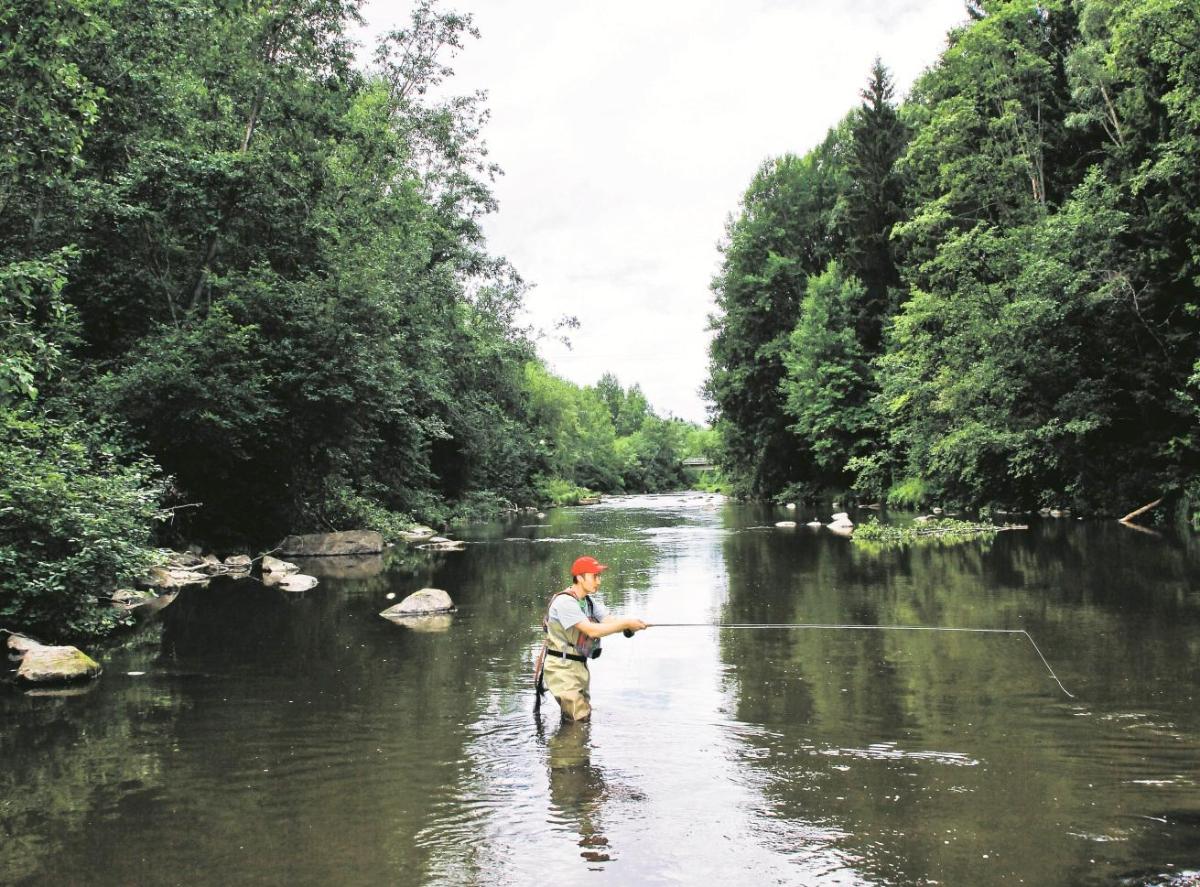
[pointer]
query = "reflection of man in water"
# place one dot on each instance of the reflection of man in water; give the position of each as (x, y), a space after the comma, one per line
(575, 621)
(577, 789)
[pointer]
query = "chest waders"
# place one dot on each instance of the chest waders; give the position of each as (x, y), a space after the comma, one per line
(562, 663)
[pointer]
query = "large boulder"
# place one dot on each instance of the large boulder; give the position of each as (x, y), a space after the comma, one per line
(55, 665)
(325, 544)
(420, 603)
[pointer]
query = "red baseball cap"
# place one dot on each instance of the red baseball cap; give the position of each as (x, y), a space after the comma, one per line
(587, 564)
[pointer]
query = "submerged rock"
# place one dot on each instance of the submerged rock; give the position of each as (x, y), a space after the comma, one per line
(434, 622)
(324, 544)
(53, 665)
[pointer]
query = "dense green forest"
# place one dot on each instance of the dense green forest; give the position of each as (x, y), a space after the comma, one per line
(987, 293)
(244, 291)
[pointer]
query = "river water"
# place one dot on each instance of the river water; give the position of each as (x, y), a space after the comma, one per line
(250, 736)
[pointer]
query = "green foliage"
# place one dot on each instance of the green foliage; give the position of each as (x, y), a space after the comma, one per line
(557, 491)
(829, 385)
(786, 232)
(75, 524)
(908, 492)
(1033, 336)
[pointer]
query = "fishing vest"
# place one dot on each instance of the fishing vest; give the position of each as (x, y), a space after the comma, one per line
(570, 643)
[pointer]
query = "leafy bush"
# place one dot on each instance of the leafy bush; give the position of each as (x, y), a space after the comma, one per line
(75, 524)
(911, 492)
(562, 492)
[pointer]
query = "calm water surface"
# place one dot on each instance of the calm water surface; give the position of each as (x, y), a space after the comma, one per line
(255, 737)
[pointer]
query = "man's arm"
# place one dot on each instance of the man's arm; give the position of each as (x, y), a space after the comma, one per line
(610, 625)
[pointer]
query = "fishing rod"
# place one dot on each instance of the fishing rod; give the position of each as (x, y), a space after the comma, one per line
(853, 627)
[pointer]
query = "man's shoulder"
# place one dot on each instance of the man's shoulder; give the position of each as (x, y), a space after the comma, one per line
(564, 602)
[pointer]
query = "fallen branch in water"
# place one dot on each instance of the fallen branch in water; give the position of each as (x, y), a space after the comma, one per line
(1127, 518)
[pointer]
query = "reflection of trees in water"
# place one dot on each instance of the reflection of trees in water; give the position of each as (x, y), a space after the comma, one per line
(854, 715)
(578, 788)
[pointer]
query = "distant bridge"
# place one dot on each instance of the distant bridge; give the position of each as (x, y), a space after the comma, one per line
(698, 464)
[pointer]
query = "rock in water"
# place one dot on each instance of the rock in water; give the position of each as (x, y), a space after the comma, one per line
(325, 544)
(447, 545)
(420, 603)
(52, 665)
(297, 582)
(785, 523)
(275, 565)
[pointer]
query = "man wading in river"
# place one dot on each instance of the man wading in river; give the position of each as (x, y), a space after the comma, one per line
(574, 624)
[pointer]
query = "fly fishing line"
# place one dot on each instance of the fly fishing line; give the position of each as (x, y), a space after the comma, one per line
(851, 627)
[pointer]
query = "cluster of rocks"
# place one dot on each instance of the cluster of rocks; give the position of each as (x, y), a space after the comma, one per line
(183, 568)
(427, 539)
(840, 523)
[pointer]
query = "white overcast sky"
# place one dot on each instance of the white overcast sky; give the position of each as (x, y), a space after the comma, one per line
(629, 129)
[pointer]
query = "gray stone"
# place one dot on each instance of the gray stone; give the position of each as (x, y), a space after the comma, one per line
(448, 545)
(297, 582)
(185, 559)
(420, 603)
(19, 645)
(275, 565)
(325, 544)
(785, 523)
(240, 562)
(841, 523)
(416, 534)
(52, 665)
